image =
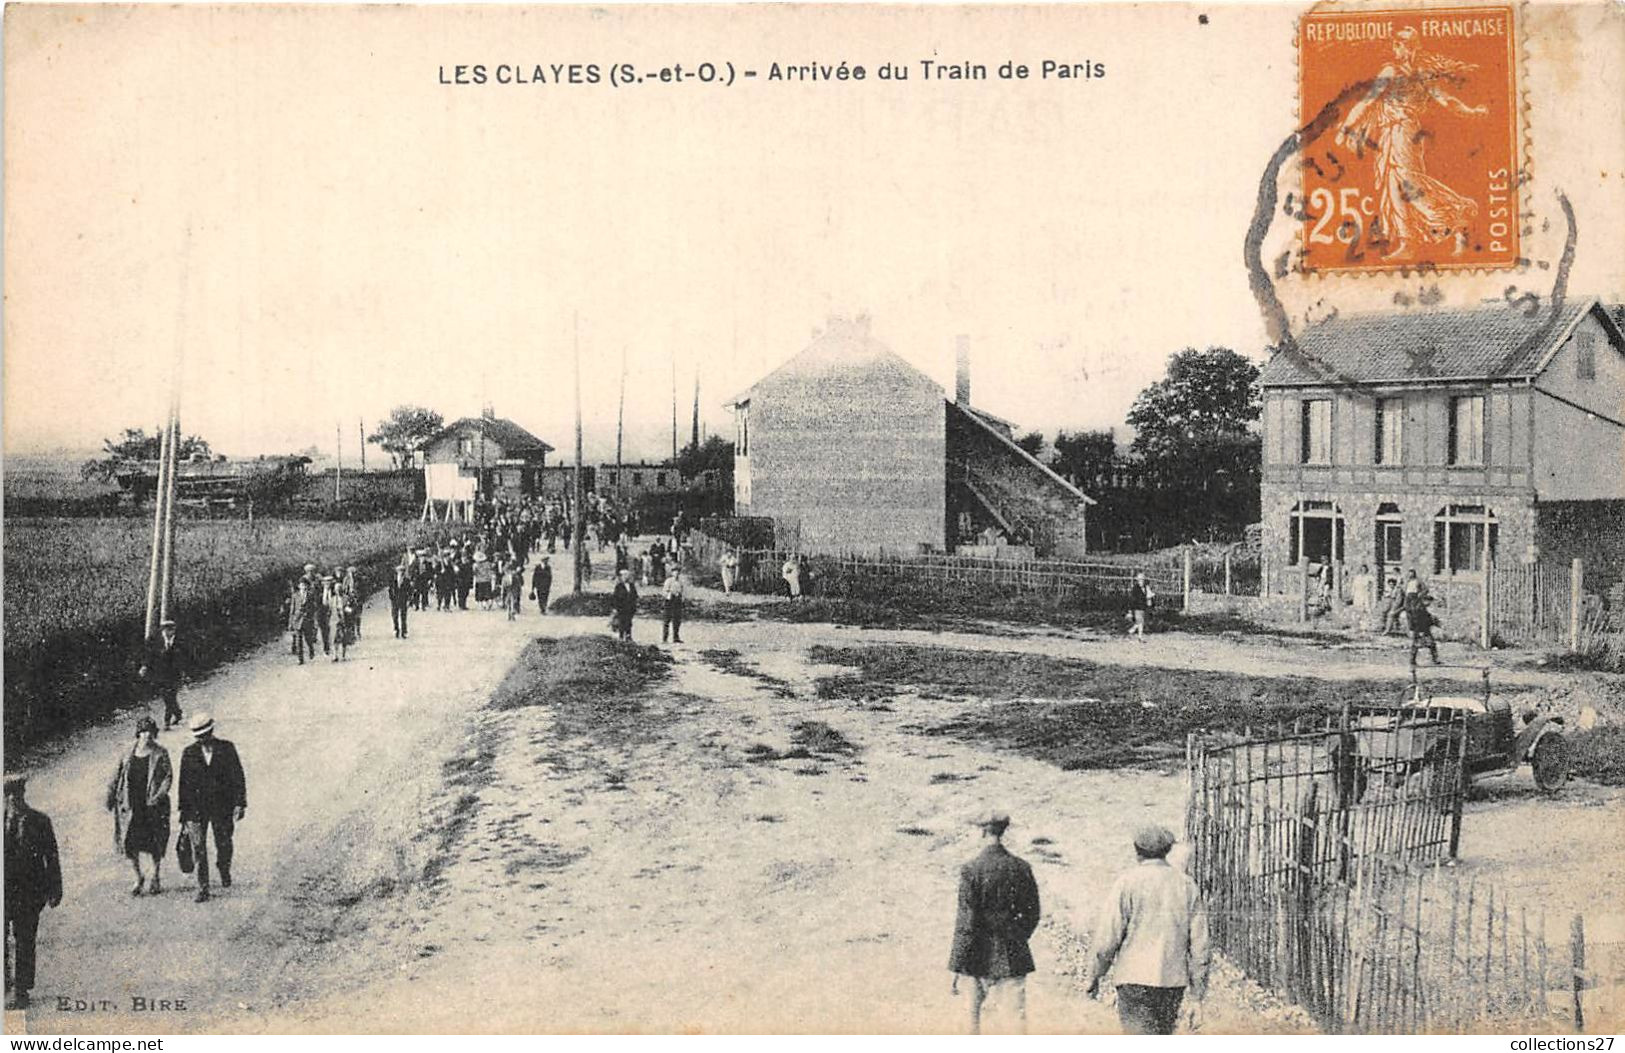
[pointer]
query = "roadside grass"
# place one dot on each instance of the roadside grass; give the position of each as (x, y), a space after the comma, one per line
(651, 605)
(594, 685)
(729, 661)
(75, 594)
(1598, 754)
(1080, 715)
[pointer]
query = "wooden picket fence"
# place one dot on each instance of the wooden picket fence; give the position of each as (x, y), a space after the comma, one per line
(867, 575)
(1321, 853)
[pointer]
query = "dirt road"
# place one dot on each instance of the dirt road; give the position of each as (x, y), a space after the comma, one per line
(322, 745)
(448, 867)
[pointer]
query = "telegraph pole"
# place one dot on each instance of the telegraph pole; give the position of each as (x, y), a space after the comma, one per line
(579, 528)
(674, 406)
(620, 420)
(338, 462)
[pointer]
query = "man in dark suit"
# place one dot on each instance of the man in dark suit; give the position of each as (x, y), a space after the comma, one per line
(400, 598)
(998, 912)
(33, 881)
(541, 584)
(162, 668)
(213, 794)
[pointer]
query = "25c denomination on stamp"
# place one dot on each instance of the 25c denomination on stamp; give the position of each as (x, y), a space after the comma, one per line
(1411, 152)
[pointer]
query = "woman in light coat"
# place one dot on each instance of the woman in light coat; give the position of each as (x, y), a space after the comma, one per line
(138, 797)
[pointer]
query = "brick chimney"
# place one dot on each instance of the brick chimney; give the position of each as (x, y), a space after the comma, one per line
(962, 370)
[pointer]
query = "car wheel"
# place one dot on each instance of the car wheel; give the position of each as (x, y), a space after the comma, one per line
(1549, 761)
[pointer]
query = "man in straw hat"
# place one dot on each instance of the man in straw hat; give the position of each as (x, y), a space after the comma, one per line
(998, 911)
(213, 794)
(1153, 936)
(33, 881)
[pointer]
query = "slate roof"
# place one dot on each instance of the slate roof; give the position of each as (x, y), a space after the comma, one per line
(505, 433)
(1483, 343)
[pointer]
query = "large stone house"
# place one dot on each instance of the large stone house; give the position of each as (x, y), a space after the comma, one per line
(848, 448)
(1437, 440)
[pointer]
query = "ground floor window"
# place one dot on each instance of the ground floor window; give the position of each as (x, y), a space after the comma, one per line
(1390, 537)
(1460, 533)
(1315, 532)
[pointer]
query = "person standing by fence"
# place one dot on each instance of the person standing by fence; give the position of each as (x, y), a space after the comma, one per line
(1153, 937)
(1139, 605)
(1420, 619)
(729, 565)
(998, 913)
(792, 577)
(672, 623)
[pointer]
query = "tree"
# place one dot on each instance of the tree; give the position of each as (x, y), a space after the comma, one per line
(1086, 455)
(137, 445)
(1208, 398)
(1033, 443)
(714, 452)
(406, 427)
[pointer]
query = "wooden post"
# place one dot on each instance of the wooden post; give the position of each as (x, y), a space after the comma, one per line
(338, 463)
(1187, 598)
(1484, 594)
(160, 498)
(1303, 590)
(579, 525)
(1576, 589)
(1577, 952)
(167, 575)
(1227, 573)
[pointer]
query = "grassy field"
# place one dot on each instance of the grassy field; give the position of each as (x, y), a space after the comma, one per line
(75, 593)
(1079, 714)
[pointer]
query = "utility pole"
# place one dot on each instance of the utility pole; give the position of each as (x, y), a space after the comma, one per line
(695, 437)
(338, 461)
(579, 527)
(160, 501)
(361, 437)
(164, 586)
(674, 405)
(620, 420)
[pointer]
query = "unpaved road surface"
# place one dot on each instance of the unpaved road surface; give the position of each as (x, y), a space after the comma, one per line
(414, 861)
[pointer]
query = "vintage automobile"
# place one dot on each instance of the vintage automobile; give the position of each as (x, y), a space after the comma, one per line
(1427, 731)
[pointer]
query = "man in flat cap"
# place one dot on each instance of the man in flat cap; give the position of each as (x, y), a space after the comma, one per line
(33, 881)
(998, 912)
(162, 669)
(1153, 936)
(213, 794)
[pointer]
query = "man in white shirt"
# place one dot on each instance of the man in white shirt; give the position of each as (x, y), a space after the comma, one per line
(672, 624)
(1153, 937)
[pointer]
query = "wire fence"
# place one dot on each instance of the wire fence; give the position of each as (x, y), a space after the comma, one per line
(1320, 852)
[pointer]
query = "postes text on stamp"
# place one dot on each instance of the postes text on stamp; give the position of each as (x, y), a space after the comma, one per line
(1410, 152)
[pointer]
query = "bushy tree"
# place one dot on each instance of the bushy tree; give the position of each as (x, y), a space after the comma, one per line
(1085, 455)
(403, 430)
(714, 452)
(1033, 443)
(136, 445)
(1208, 397)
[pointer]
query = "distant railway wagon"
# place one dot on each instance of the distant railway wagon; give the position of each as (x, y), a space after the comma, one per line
(217, 483)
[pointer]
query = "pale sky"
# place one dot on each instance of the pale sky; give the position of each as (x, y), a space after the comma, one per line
(291, 197)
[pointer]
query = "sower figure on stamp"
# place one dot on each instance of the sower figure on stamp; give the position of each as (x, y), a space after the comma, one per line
(162, 669)
(213, 794)
(1152, 935)
(998, 913)
(33, 882)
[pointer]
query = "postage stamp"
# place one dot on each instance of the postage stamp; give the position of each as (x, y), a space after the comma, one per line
(1411, 152)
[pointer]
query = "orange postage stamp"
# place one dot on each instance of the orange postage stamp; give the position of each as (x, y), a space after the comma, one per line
(1410, 144)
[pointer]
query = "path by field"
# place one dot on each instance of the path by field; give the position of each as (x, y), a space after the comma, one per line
(663, 878)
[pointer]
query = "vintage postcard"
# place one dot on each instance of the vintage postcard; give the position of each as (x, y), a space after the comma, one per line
(1084, 518)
